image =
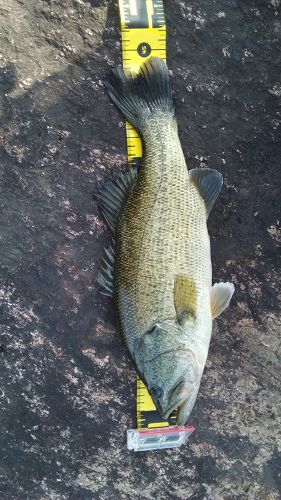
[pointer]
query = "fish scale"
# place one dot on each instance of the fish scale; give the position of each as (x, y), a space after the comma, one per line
(164, 223)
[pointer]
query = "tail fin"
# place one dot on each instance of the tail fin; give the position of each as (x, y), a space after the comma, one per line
(140, 96)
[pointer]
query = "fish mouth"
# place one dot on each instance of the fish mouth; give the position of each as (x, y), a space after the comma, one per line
(185, 409)
(183, 397)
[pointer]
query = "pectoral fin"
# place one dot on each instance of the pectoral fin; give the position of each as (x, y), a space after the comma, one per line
(209, 183)
(221, 294)
(185, 297)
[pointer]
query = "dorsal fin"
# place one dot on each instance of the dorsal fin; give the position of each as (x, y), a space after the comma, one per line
(209, 183)
(112, 196)
(105, 277)
(185, 297)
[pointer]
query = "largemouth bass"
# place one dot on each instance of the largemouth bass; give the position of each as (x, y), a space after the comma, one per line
(158, 268)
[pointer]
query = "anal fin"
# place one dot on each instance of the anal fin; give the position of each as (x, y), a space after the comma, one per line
(209, 183)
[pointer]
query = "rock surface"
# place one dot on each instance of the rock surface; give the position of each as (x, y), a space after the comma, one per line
(67, 384)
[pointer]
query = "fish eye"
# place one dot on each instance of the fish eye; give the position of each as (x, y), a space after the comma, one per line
(156, 392)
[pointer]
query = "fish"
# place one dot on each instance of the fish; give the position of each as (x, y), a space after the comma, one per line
(158, 266)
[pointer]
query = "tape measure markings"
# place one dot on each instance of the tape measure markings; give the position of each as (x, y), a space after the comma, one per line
(143, 32)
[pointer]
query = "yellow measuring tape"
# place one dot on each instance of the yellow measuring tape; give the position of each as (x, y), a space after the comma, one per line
(143, 35)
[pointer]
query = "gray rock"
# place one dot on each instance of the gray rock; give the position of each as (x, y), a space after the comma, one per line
(67, 384)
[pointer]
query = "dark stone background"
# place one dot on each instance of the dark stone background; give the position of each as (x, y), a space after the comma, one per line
(67, 384)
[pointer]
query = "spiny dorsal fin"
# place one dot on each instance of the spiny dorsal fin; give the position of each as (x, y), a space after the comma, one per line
(185, 296)
(105, 278)
(112, 196)
(209, 183)
(221, 294)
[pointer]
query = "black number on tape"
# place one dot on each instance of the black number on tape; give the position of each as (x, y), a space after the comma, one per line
(144, 49)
